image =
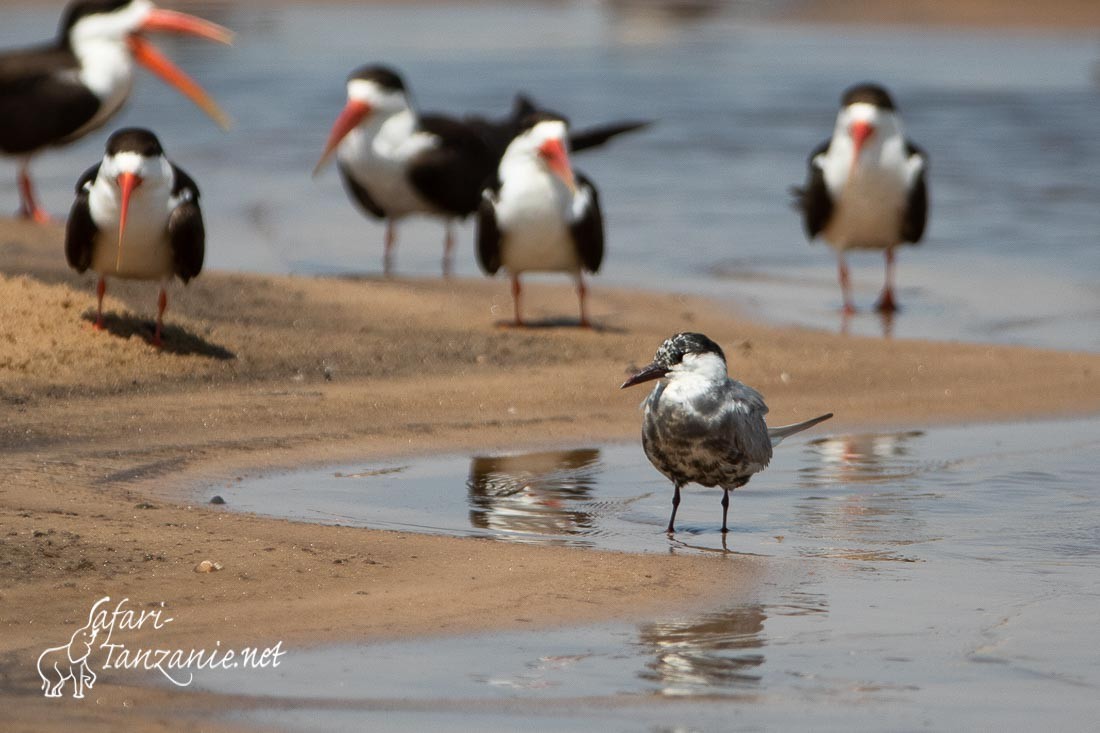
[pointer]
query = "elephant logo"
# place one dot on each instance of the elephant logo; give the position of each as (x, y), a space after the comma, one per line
(69, 661)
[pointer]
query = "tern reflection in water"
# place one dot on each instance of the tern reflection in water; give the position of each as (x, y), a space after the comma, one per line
(706, 655)
(534, 493)
(874, 518)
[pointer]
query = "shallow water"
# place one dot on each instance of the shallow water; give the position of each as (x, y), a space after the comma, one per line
(698, 203)
(900, 591)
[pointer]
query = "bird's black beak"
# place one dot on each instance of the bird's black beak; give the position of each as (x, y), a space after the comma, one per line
(647, 374)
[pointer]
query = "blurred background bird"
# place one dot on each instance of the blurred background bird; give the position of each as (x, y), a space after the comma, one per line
(57, 92)
(395, 161)
(539, 216)
(866, 187)
(136, 216)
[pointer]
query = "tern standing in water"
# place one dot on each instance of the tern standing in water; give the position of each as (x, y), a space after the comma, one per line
(702, 427)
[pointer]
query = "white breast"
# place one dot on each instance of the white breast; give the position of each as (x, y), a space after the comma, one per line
(146, 252)
(107, 69)
(869, 200)
(533, 214)
(377, 156)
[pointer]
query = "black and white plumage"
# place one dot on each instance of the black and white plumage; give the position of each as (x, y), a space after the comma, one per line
(702, 427)
(57, 92)
(538, 216)
(866, 186)
(136, 216)
(396, 162)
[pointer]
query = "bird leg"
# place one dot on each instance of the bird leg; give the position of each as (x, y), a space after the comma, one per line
(675, 505)
(517, 289)
(162, 303)
(725, 508)
(886, 302)
(100, 291)
(845, 283)
(387, 255)
(448, 249)
(582, 291)
(28, 204)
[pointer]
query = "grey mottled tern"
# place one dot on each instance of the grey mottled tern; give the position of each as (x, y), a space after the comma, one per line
(701, 426)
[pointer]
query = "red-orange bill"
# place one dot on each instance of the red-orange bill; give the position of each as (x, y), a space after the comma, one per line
(127, 182)
(553, 152)
(352, 115)
(172, 22)
(151, 58)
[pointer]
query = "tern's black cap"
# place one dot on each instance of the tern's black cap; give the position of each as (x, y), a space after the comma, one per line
(134, 140)
(674, 349)
(77, 11)
(383, 76)
(868, 93)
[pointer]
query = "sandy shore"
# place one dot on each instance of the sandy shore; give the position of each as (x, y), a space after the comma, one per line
(99, 430)
(1060, 15)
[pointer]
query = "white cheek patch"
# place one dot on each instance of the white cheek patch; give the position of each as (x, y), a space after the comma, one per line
(862, 112)
(362, 91)
(118, 24)
(128, 163)
(549, 130)
(384, 100)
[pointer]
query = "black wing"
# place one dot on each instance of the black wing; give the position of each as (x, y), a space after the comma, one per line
(592, 137)
(80, 229)
(40, 103)
(186, 232)
(488, 236)
(87, 178)
(814, 200)
(916, 209)
(452, 175)
(588, 229)
(359, 194)
(498, 133)
(184, 185)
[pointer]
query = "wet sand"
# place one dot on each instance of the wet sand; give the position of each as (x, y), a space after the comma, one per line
(99, 430)
(1057, 15)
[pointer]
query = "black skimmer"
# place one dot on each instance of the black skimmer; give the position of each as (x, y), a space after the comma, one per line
(396, 162)
(136, 216)
(866, 186)
(702, 427)
(57, 92)
(538, 216)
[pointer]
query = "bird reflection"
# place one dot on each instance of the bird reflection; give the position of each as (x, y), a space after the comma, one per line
(868, 457)
(864, 524)
(706, 655)
(533, 494)
(886, 323)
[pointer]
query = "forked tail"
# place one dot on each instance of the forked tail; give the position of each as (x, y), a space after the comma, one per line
(785, 431)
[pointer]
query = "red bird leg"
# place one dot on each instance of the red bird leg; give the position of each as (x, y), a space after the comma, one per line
(845, 283)
(162, 303)
(517, 290)
(886, 302)
(100, 291)
(28, 204)
(448, 250)
(582, 292)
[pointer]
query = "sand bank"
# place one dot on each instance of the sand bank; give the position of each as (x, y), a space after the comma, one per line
(98, 431)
